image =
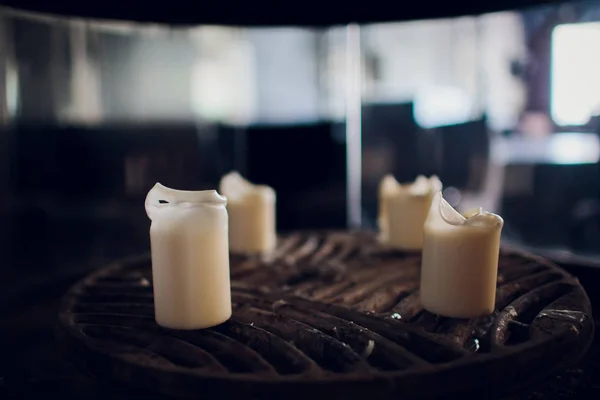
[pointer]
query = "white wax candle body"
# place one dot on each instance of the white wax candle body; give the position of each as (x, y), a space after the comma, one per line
(407, 207)
(190, 258)
(406, 216)
(387, 187)
(252, 223)
(460, 261)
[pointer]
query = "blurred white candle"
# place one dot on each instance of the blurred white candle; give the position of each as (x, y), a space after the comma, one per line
(251, 211)
(406, 207)
(387, 187)
(190, 257)
(460, 261)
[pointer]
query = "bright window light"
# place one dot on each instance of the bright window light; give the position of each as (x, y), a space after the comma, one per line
(442, 106)
(574, 148)
(575, 82)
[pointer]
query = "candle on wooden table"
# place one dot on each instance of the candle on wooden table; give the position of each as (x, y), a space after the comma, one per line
(190, 257)
(407, 207)
(251, 211)
(460, 261)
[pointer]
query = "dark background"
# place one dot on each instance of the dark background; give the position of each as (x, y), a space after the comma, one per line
(265, 13)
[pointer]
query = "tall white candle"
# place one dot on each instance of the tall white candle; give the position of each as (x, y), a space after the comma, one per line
(251, 215)
(190, 257)
(406, 207)
(460, 261)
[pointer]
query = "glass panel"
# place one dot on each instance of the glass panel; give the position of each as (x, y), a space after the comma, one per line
(94, 113)
(503, 107)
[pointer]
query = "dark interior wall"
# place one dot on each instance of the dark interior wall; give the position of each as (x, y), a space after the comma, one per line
(307, 168)
(56, 167)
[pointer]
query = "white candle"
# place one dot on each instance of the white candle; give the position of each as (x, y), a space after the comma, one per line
(387, 187)
(460, 261)
(190, 257)
(251, 215)
(406, 207)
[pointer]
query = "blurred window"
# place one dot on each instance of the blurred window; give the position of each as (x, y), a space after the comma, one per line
(575, 76)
